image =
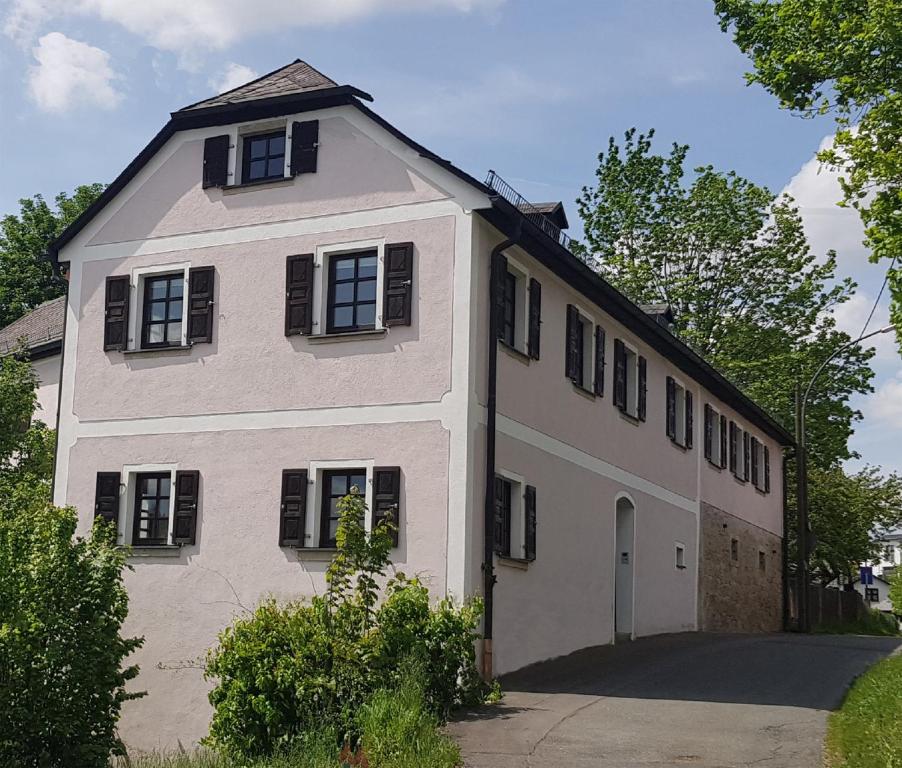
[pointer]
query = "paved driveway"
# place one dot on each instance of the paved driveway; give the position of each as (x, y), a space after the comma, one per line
(673, 700)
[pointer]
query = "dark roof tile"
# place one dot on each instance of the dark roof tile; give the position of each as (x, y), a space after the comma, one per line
(42, 325)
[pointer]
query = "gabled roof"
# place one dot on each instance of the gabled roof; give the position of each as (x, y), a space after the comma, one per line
(553, 211)
(297, 77)
(41, 329)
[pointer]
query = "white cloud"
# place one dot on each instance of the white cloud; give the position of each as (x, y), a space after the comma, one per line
(886, 404)
(185, 26)
(234, 75)
(69, 72)
(851, 317)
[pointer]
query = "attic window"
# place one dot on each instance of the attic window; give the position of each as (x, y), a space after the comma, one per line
(263, 157)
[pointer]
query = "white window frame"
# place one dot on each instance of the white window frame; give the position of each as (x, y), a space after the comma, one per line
(631, 373)
(125, 523)
(136, 300)
(679, 558)
(740, 453)
(321, 280)
(521, 318)
(715, 458)
(237, 135)
(315, 471)
(589, 324)
(679, 402)
(518, 513)
(758, 481)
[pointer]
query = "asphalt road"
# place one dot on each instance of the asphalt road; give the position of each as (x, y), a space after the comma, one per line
(673, 700)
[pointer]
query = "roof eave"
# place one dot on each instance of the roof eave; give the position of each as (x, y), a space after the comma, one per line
(573, 271)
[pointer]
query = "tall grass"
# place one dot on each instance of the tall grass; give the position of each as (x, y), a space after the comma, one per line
(873, 622)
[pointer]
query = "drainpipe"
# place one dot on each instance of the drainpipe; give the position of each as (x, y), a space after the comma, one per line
(785, 550)
(488, 556)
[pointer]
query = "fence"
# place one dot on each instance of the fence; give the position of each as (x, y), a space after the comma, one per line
(826, 605)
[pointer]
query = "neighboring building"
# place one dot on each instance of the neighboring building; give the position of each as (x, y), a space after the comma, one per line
(283, 296)
(890, 544)
(875, 595)
(41, 330)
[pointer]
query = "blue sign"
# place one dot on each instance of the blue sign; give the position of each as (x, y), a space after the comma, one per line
(867, 575)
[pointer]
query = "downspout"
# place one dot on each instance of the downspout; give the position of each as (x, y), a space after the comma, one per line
(785, 546)
(59, 394)
(488, 555)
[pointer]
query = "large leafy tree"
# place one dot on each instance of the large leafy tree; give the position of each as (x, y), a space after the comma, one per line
(733, 262)
(26, 277)
(842, 57)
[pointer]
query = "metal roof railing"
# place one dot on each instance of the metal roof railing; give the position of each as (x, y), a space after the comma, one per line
(498, 185)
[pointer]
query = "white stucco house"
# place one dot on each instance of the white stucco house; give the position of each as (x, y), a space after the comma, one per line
(41, 331)
(283, 295)
(890, 548)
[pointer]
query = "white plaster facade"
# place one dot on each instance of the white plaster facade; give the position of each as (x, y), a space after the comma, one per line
(254, 402)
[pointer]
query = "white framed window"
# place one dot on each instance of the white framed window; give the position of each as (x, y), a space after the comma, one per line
(582, 355)
(714, 428)
(327, 482)
(255, 152)
(348, 287)
(146, 506)
(515, 317)
(515, 517)
(680, 556)
(679, 391)
(158, 306)
(631, 368)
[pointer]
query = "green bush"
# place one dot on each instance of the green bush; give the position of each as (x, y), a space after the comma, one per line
(288, 669)
(872, 622)
(62, 605)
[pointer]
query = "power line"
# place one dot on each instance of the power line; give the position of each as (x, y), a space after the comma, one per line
(879, 295)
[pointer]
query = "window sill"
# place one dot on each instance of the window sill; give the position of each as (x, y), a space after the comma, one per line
(514, 352)
(678, 444)
(182, 348)
(322, 338)
(629, 417)
(315, 553)
(580, 389)
(157, 550)
(681, 567)
(715, 465)
(233, 189)
(513, 562)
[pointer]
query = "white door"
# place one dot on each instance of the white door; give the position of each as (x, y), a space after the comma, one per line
(623, 570)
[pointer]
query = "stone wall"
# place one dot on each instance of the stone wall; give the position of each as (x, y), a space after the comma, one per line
(740, 575)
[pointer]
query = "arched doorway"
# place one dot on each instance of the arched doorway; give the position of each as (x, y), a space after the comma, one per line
(624, 564)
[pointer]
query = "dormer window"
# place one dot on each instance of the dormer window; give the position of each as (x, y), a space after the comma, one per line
(263, 157)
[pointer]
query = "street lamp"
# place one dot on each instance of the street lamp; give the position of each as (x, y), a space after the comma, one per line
(802, 479)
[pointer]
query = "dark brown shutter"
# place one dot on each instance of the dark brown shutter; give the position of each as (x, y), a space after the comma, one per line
(689, 419)
(293, 509)
(200, 304)
(754, 460)
(599, 360)
(572, 343)
(115, 324)
(398, 284)
(498, 277)
(299, 295)
(534, 333)
(498, 543)
(304, 145)
(709, 432)
(187, 485)
(734, 447)
(643, 388)
(106, 496)
(619, 375)
(387, 498)
(723, 442)
(671, 408)
(745, 455)
(530, 510)
(216, 161)
(766, 469)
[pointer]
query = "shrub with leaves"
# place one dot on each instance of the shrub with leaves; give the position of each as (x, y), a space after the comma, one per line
(288, 670)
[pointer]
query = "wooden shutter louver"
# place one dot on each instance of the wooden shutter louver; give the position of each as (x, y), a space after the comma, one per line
(689, 419)
(734, 447)
(498, 275)
(304, 146)
(598, 384)
(529, 502)
(754, 460)
(709, 432)
(746, 455)
(387, 498)
(643, 388)
(723, 442)
(534, 332)
(115, 322)
(187, 486)
(293, 508)
(572, 361)
(200, 304)
(397, 293)
(766, 469)
(299, 295)
(216, 161)
(619, 375)
(106, 496)
(671, 408)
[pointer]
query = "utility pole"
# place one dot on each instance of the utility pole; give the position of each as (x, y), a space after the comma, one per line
(802, 481)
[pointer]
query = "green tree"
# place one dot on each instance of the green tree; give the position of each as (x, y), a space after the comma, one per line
(895, 592)
(734, 263)
(846, 509)
(26, 277)
(842, 57)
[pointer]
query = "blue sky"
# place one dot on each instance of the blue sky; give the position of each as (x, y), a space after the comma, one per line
(532, 90)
